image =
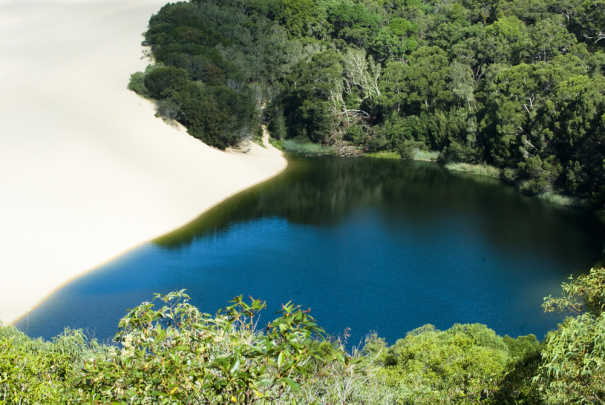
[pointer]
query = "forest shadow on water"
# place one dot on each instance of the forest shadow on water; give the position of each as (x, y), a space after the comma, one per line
(368, 244)
(325, 191)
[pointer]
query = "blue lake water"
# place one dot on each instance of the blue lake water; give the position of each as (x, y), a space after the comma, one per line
(368, 245)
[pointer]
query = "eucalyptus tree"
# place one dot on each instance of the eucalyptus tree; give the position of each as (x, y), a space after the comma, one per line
(573, 357)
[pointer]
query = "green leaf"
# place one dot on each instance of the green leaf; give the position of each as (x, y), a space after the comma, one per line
(235, 367)
(293, 384)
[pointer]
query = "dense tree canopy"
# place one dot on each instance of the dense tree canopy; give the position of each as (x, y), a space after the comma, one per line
(514, 84)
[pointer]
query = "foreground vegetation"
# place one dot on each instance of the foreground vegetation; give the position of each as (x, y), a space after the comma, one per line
(171, 353)
(512, 84)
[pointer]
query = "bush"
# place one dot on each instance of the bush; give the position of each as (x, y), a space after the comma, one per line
(534, 186)
(137, 84)
(464, 364)
(164, 81)
(356, 134)
(168, 109)
(172, 353)
(573, 367)
(407, 149)
(38, 372)
(456, 152)
(509, 176)
(477, 170)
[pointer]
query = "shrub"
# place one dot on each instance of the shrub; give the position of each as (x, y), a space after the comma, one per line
(37, 372)
(172, 353)
(464, 364)
(509, 176)
(177, 354)
(573, 368)
(534, 186)
(163, 81)
(137, 84)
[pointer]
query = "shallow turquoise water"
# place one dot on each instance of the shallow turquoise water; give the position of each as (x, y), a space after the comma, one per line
(370, 245)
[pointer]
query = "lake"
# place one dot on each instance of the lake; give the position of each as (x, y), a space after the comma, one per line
(369, 245)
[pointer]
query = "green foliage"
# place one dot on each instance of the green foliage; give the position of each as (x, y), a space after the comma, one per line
(172, 354)
(218, 115)
(307, 105)
(585, 293)
(35, 372)
(277, 123)
(464, 364)
(177, 354)
(165, 81)
(573, 365)
(478, 170)
(384, 155)
(302, 146)
(516, 387)
(573, 368)
(513, 84)
(169, 352)
(207, 78)
(137, 84)
(353, 22)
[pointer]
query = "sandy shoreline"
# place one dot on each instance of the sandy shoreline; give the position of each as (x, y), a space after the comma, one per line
(86, 170)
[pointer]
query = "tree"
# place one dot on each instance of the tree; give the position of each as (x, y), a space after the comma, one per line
(307, 98)
(353, 22)
(424, 81)
(461, 365)
(512, 83)
(395, 40)
(462, 83)
(586, 18)
(573, 358)
(163, 82)
(550, 38)
(506, 41)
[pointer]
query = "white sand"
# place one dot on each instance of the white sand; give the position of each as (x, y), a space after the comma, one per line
(86, 170)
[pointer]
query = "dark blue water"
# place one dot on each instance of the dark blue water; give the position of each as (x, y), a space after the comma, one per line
(369, 245)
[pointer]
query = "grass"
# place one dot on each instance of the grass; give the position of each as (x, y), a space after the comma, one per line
(425, 155)
(482, 170)
(302, 146)
(417, 154)
(476, 170)
(277, 143)
(560, 200)
(493, 172)
(384, 155)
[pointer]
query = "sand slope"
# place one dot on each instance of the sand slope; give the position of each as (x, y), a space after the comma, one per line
(86, 171)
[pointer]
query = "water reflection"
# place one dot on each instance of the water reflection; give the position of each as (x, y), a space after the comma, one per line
(367, 244)
(325, 191)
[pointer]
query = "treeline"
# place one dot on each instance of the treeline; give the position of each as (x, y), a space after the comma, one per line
(514, 84)
(172, 353)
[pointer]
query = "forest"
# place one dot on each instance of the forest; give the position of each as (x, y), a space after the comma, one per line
(518, 85)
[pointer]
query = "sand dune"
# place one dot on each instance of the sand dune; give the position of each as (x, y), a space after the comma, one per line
(86, 170)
